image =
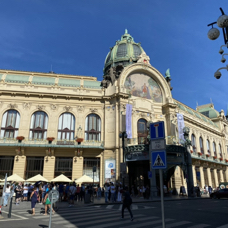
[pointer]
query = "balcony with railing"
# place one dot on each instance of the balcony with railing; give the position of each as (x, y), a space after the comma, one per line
(29, 142)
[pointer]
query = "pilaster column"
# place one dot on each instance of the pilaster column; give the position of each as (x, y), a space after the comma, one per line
(216, 178)
(19, 165)
(209, 176)
(49, 167)
(77, 169)
(194, 175)
(202, 181)
(226, 173)
(221, 175)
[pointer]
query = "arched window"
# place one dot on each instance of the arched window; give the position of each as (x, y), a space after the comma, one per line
(220, 150)
(201, 145)
(194, 143)
(66, 127)
(208, 147)
(38, 126)
(10, 124)
(142, 131)
(93, 127)
(214, 149)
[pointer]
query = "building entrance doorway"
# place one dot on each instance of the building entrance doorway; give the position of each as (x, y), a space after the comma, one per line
(138, 174)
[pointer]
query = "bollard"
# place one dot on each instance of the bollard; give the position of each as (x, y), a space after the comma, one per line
(10, 207)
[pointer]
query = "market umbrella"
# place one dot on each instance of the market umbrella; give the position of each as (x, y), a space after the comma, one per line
(15, 177)
(37, 178)
(61, 178)
(84, 179)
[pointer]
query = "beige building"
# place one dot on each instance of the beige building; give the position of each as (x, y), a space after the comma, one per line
(55, 123)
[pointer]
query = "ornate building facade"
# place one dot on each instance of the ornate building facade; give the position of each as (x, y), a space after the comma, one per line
(55, 123)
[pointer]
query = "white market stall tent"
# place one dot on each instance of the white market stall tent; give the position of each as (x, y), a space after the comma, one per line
(61, 178)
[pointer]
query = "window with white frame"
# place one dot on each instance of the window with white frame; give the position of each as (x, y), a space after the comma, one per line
(10, 124)
(201, 145)
(208, 147)
(93, 127)
(214, 149)
(38, 126)
(142, 131)
(66, 128)
(194, 143)
(220, 150)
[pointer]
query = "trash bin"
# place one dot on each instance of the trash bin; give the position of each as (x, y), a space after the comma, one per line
(87, 198)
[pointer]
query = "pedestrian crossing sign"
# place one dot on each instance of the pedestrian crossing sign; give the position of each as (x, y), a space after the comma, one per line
(158, 160)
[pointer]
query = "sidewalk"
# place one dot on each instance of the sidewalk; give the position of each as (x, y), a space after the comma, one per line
(142, 200)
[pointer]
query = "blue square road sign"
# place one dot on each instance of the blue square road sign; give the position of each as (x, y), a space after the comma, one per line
(157, 130)
(158, 160)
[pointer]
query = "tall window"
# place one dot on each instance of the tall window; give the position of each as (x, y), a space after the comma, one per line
(66, 127)
(6, 166)
(10, 124)
(63, 165)
(201, 145)
(88, 164)
(38, 127)
(214, 149)
(142, 131)
(220, 150)
(208, 147)
(93, 127)
(34, 166)
(194, 143)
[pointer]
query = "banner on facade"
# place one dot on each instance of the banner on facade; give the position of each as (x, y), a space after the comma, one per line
(180, 123)
(110, 170)
(128, 121)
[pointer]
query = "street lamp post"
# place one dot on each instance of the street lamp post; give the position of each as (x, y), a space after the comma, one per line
(123, 135)
(214, 33)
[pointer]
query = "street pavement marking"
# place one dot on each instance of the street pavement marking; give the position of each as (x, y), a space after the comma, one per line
(122, 221)
(120, 207)
(224, 226)
(174, 224)
(110, 206)
(94, 221)
(95, 215)
(134, 207)
(199, 226)
(148, 223)
(15, 215)
(145, 207)
(82, 218)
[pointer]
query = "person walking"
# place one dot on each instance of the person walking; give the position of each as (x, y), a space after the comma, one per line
(112, 189)
(18, 193)
(72, 191)
(77, 195)
(6, 195)
(25, 192)
(47, 204)
(34, 198)
(127, 201)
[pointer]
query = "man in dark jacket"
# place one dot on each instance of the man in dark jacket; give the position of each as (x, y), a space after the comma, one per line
(127, 201)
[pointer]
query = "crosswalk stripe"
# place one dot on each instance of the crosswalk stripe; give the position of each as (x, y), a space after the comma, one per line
(200, 226)
(175, 224)
(109, 206)
(149, 223)
(97, 215)
(122, 222)
(120, 208)
(92, 222)
(134, 207)
(224, 226)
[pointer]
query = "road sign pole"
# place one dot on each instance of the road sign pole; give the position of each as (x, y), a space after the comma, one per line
(162, 197)
(51, 210)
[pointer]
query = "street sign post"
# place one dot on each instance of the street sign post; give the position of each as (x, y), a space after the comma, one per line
(53, 196)
(158, 156)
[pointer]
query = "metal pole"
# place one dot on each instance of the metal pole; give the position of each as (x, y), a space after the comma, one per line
(93, 186)
(162, 197)
(123, 134)
(10, 207)
(51, 210)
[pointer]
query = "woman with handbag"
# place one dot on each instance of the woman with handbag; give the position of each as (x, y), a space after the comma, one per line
(47, 204)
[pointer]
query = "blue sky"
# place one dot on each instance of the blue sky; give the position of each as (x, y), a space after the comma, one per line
(74, 37)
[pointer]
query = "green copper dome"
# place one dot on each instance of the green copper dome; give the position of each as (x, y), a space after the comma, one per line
(125, 52)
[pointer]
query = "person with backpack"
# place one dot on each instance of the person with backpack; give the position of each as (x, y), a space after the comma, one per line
(34, 197)
(127, 201)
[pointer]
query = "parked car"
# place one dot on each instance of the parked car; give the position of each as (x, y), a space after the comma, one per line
(222, 193)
